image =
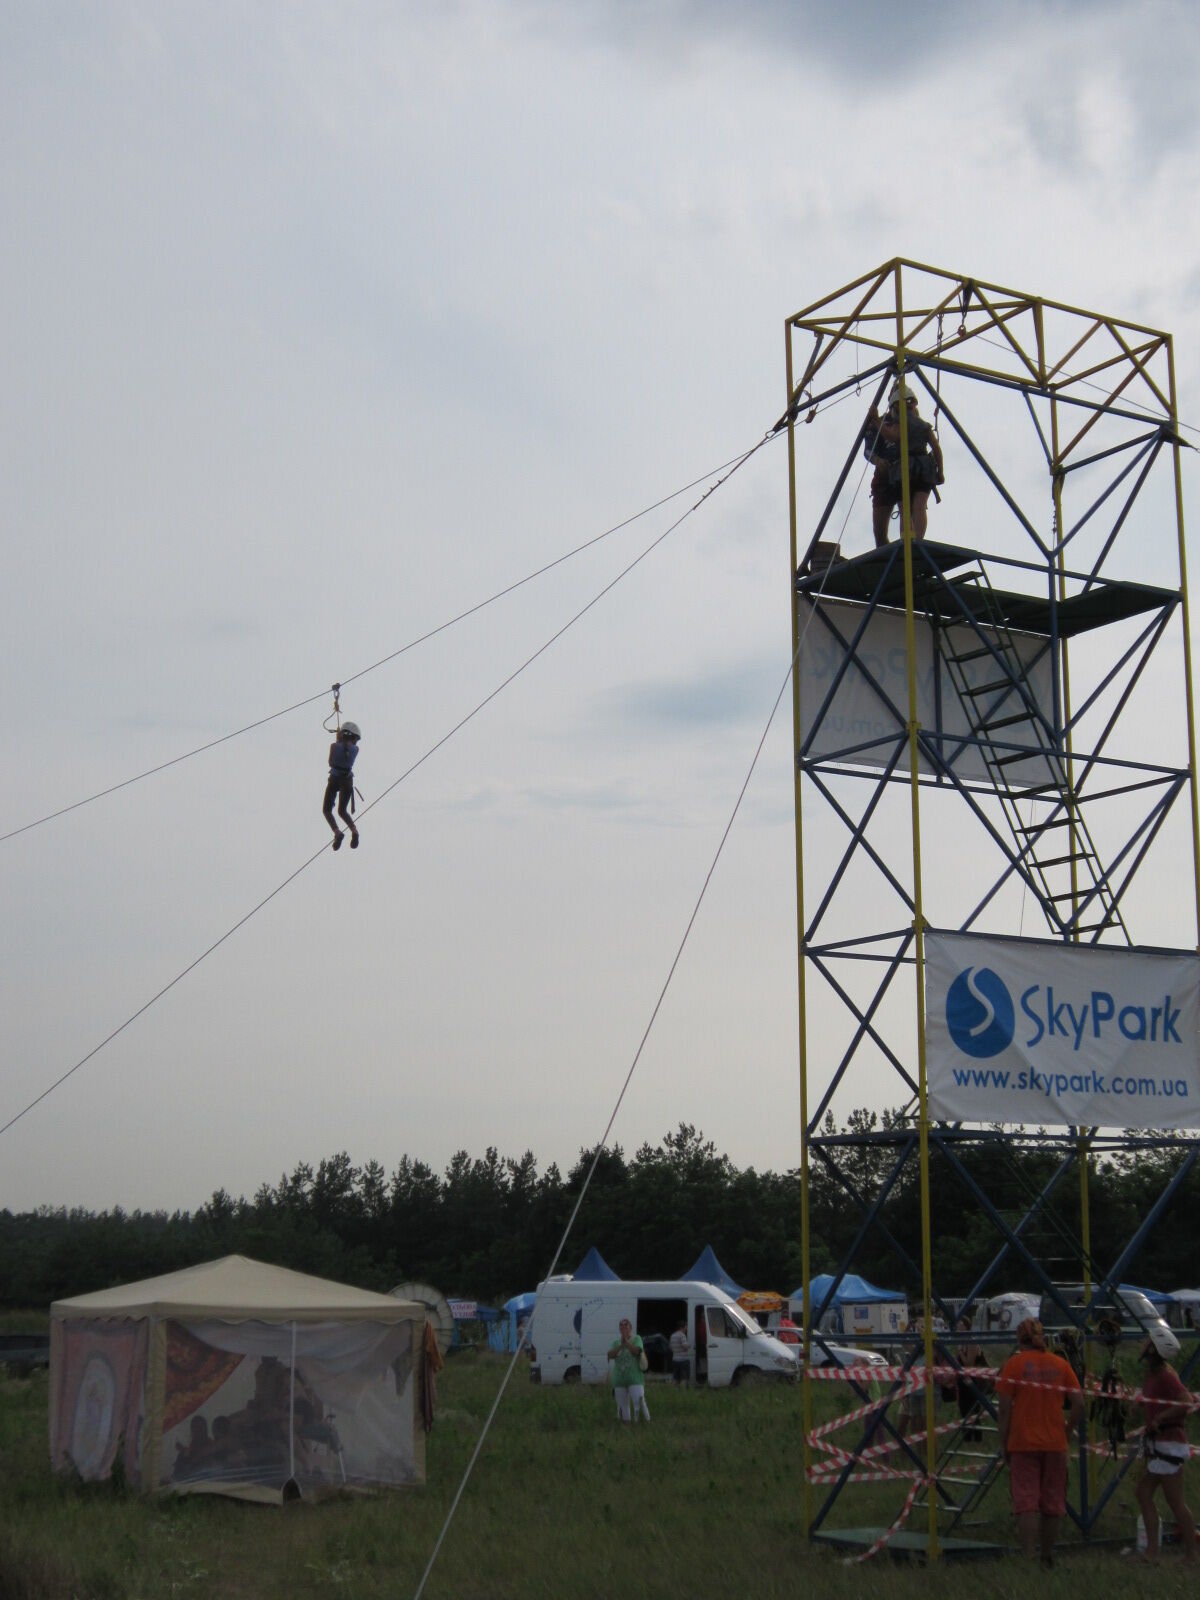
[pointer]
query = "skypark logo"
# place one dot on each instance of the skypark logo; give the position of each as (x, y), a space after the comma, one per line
(1059, 1019)
(981, 1017)
(979, 1013)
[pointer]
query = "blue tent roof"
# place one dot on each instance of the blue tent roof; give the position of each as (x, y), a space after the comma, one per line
(594, 1269)
(707, 1269)
(1157, 1299)
(852, 1290)
(521, 1302)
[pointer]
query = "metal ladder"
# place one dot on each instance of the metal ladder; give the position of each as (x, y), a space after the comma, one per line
(1002, 710)
(968, 1487)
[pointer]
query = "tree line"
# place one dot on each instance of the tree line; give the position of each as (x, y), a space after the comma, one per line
(487, 1227)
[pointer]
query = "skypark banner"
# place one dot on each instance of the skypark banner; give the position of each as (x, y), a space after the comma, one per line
(1033, 1031)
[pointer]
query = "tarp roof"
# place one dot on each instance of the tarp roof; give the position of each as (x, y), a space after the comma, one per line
(1155, 1296)
(594, 1269)
(521, 1302)
(235, 1288)
(852, 1290)
(707, 1269)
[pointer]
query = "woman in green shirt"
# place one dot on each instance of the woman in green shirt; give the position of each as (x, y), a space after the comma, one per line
(626, 1357)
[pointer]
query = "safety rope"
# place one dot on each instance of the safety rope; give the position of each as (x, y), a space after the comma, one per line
(602, 1145)
(739, 462)
(937, 379)
(336, 714)
(431, 633)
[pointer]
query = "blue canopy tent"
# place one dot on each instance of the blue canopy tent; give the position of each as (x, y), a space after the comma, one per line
(505, 1335)
(857, 1306)
(594, 1269)
(707, 1269)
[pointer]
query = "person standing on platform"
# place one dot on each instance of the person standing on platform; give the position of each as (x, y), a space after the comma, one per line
(1034, 1434)
(881, 446)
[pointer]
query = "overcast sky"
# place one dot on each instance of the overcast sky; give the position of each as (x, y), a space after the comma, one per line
(319, 324)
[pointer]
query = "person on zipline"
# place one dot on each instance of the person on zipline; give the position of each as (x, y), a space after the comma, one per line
(341, 784)
(881, 446)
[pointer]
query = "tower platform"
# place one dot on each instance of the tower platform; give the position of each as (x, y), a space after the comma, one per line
(944, 586)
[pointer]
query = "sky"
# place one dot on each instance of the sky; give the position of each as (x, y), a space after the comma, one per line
(321, 324)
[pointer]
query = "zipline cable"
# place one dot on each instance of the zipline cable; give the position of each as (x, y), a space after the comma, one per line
(609, 1127)
(412, 644)
(601, 1147)
(738, 462)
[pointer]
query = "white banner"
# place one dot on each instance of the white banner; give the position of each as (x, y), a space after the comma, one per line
(858, 713)
(1031, 1031)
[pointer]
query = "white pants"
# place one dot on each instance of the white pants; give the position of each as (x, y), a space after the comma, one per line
(631, 1401)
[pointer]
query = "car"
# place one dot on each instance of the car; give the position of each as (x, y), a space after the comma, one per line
(845, 1355)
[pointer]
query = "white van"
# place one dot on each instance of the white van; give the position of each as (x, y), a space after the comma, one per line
(575, 1324)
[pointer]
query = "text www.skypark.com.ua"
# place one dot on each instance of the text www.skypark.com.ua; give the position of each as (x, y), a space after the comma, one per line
(1053, 1084)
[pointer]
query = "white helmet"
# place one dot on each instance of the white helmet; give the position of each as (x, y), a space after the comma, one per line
(894, 396)
(1163, 1340)
(352, 730)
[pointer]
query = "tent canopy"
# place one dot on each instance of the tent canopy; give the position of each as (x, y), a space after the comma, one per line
(707, 1269)
(241, 1378)
(520, 1303)
(852, 1290)
(235, 1288)
(594, 1269)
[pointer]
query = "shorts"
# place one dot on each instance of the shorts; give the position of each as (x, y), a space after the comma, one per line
(630, 1401)
(886, 493)
(1166, 1457)
(681, 1368)
(1037, 1481)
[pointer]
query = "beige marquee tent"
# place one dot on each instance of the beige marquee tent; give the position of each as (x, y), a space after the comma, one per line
(235, 1377)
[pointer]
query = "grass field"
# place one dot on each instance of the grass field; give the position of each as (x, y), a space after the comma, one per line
(562, 1503)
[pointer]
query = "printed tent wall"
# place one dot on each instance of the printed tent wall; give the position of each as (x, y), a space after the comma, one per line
(235, 1377)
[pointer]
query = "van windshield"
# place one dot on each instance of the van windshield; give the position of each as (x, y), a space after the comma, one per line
(741, 1317)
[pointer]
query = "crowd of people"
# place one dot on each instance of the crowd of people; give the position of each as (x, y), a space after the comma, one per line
(1039, 1412)
(1040, 1409)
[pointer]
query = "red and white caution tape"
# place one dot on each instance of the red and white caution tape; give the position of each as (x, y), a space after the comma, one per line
(888, 1533)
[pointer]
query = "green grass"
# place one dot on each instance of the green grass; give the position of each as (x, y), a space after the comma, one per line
(562, 1504)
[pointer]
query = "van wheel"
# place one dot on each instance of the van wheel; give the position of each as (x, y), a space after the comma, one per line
(748, 1376)
(572, 1375)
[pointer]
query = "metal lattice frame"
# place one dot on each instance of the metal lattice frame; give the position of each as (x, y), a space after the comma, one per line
(1098, 397)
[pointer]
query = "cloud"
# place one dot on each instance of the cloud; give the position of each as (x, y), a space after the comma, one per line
(729, 697)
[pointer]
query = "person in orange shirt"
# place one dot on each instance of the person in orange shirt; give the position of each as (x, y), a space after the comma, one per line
(1034, 1433)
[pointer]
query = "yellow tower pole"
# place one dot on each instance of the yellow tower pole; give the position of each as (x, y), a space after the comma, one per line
(805, 1237)
(910, 646)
